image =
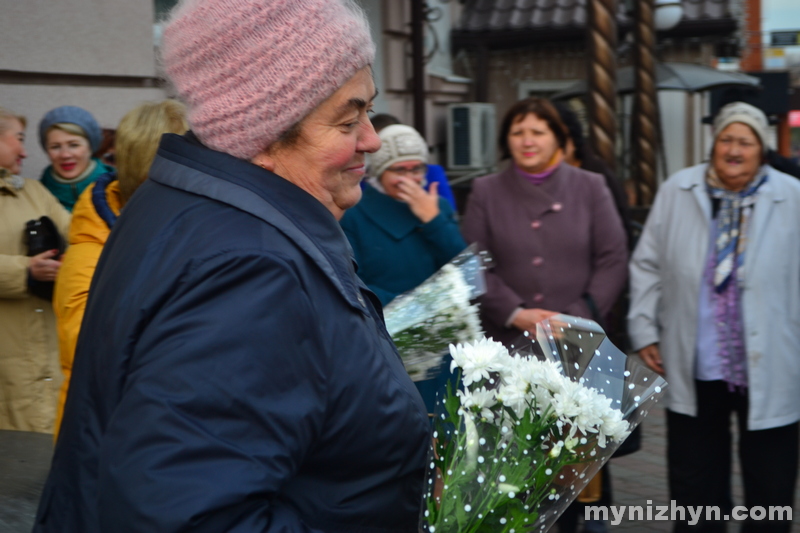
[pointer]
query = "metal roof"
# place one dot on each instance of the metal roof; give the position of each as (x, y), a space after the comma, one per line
(480, 16)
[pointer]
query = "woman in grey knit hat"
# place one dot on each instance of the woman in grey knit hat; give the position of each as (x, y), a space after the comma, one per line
(715, 301)
(400, 233)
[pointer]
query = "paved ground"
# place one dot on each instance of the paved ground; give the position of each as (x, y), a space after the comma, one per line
(24, 462)
(642, 476)
(639, 477)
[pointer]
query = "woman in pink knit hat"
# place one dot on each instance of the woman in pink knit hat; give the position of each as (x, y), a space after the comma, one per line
(233, 373)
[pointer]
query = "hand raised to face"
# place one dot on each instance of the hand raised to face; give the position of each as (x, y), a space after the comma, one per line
(424, 204)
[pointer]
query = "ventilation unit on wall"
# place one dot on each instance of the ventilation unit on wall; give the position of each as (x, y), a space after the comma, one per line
(470, 136)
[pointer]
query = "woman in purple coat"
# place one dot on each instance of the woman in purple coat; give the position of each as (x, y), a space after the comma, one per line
(555, 236)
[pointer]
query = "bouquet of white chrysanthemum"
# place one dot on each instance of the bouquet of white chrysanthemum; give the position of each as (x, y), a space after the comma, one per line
(425, 321)
(531, 427)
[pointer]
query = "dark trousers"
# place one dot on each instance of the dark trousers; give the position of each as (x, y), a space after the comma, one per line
(699, 460)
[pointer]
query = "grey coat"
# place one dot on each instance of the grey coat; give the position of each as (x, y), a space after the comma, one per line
(551, 244)
(666, 272)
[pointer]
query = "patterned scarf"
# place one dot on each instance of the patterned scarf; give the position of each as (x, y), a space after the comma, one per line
(732, 221)
(727, 265)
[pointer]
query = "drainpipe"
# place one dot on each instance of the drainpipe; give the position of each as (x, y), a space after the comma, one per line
(418, 63)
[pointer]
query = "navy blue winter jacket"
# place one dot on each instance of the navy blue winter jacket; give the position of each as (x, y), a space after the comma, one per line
(232, 372)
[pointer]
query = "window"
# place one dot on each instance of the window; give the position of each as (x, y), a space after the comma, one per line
(162, 8)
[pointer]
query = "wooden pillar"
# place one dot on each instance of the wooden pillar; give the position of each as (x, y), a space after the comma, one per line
(601, 76)
(644, 129)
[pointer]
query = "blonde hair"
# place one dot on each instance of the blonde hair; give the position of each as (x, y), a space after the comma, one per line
(6, 115)
(68, 127)
(138, 135)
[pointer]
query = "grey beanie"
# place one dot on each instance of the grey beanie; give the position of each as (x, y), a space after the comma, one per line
(398, 143)
(746, 114)
(71, 114)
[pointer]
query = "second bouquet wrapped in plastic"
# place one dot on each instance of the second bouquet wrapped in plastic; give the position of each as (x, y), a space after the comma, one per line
(528, 429)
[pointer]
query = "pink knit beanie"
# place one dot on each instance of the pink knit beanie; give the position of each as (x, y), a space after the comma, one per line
(250, 69)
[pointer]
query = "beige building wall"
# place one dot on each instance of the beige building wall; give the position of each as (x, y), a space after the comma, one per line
(442, 86)
(98, 55)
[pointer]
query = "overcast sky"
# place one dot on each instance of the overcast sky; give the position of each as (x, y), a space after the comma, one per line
(780, 15)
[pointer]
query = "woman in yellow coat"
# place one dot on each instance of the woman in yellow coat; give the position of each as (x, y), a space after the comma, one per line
(29, 376)
(94, 215)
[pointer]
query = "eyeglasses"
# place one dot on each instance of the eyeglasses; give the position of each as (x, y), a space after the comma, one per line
(742, 143)
(418, 170)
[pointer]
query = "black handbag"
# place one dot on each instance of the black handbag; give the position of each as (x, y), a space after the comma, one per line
(41, 235)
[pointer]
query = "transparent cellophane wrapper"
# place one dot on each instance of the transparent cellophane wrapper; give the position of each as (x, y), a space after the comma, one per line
(512, 484)
(426, 320)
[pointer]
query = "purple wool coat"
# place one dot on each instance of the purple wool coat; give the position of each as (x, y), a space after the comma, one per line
(551, 244)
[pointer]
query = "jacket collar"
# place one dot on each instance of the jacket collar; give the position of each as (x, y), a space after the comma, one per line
(10, 183)
(392, 216)
(694, 179)
(538, 199)
(771, 193)
(182, 162)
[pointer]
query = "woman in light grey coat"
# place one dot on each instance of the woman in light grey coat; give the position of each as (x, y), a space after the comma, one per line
(715, 307)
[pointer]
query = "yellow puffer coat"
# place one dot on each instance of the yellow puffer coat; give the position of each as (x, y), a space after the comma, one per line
(87, 236)
(29, 376)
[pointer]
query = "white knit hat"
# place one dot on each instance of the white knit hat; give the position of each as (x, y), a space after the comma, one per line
(398, 143)
(746, 114)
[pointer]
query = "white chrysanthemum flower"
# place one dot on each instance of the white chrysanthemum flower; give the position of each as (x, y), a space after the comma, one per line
(534, 372)
(480, 402)
(614, 427)
(478, 359)
(515, 394)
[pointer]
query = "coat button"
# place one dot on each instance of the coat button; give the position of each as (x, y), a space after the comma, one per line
(537, 261)
(538, 297)
(360, 300)
(557, 207)
(536, 224)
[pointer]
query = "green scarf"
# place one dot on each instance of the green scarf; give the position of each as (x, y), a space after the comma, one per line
(68, 191)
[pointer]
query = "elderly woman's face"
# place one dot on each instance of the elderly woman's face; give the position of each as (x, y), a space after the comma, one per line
(410, 172)
(532, 143)
(327, 160)
(12, 149)
(70, 154)
(737, 155)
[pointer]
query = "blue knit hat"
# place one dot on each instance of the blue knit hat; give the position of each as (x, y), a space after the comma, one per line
(72, 115)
